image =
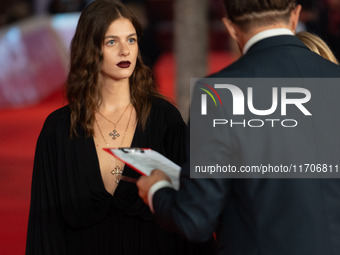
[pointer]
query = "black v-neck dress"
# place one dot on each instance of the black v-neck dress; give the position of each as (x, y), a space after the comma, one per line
(72, 213)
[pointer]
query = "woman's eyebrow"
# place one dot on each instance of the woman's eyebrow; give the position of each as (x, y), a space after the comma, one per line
(114, 36)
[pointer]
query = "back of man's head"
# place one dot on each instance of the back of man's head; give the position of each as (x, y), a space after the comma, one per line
(248, 13)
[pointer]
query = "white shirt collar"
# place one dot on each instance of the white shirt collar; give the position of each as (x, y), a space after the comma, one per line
(265, 34)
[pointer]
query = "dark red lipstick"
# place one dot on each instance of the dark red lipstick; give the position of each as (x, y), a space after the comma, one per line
(124, 64)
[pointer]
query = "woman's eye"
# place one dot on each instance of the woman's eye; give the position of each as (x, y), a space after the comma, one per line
(111, 42)
(132, 40)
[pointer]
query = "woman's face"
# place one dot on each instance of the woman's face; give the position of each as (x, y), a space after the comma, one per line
(120, 50)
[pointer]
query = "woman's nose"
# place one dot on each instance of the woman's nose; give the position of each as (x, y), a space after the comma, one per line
(124, 50)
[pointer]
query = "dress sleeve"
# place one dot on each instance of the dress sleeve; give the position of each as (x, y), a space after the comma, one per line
(46, 228)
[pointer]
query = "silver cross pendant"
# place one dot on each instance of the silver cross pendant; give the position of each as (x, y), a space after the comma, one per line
(114, 134)
(116, 171)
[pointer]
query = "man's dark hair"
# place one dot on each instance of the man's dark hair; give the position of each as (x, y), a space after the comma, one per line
(246, 13)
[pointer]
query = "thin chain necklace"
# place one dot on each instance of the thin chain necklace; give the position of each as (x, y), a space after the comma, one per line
(114, 133)
(117, 171)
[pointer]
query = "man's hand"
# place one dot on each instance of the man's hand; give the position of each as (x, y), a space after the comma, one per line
(145, 182)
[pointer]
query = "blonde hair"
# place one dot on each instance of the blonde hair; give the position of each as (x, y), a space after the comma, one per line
(317, 45)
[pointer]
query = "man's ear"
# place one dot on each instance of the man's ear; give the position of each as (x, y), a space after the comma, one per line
(230, 27)
(294, 17)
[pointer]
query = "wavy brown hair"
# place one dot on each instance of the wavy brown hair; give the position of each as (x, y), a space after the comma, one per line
(82, 88)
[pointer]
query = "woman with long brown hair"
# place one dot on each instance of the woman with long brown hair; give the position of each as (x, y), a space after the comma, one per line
(79, 204)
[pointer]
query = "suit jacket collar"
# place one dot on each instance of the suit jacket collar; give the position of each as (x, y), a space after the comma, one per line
(265, 34)
(275, 41)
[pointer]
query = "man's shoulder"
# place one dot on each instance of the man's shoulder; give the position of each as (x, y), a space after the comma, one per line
(289, 61)
(234, 70)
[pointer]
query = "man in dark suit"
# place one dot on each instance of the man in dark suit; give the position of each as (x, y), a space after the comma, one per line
(262, 215)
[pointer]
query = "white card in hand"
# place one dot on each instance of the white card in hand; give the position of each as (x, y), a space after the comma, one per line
(146, 160)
